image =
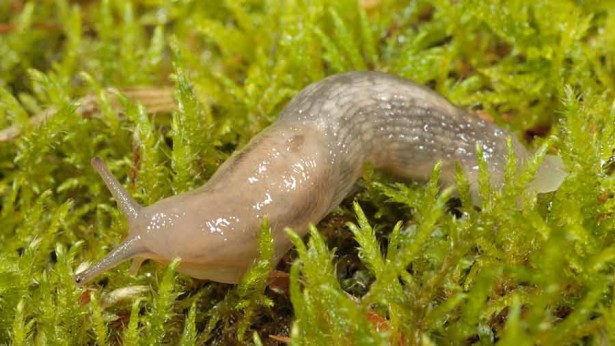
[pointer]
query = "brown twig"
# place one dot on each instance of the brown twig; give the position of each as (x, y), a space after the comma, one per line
(281, 338)
(155, 100)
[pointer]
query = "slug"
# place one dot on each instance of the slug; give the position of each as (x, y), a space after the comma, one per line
(301, 167)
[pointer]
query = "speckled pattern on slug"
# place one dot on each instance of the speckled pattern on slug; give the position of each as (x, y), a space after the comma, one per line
(297, 170)
(397, 125)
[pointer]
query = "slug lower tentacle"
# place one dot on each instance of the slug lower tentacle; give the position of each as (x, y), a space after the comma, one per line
(302, 166)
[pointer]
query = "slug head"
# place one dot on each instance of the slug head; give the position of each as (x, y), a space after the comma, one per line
(132, 245)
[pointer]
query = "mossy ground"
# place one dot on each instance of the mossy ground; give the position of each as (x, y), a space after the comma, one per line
(397, 265)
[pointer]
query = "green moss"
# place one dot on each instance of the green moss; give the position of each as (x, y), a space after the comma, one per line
(392, 264)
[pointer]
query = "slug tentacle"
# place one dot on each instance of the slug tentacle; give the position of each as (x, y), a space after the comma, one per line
(301, 167)
(125, 202)
(136, 264)
(129, 248)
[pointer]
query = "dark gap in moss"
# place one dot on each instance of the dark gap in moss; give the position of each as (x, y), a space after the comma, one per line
(453, 206)
(102, 283)
(537, 131)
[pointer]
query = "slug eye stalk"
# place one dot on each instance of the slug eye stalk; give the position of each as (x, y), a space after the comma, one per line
(129, 207)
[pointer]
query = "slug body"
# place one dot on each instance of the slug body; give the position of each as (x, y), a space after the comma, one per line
(302, 166)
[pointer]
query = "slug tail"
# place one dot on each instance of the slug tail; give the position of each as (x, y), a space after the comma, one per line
(129, 248)
(550, 174)
(125, 202)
